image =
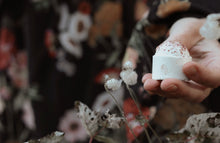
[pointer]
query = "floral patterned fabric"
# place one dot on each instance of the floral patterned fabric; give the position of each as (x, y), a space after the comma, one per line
(53, 53)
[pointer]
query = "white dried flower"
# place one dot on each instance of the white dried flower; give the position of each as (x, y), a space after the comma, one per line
(106, 77)
(211, 28)
(206, 124)
(109, 120)
(55, 137)
(201, 126)
(113, 84)
(129, 77)
(89, 118)
(92, 120)
(128, 65)
(58, 133)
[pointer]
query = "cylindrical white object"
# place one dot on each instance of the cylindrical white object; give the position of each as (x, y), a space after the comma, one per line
(168, 67)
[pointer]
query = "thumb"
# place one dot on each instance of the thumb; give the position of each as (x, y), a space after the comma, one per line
(186, 31)
(202, 75)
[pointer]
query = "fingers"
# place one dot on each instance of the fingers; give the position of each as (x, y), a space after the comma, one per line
(152, 86)
(189, 91)
(146, 76)
(174, 88)
(202, 75)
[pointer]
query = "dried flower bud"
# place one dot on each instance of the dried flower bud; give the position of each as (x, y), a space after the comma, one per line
(109, 120)
(129, 77)
(106, 77)
(58, 133)
(211, 28)
(88, 117)
(55, 137)
(128, 66)
(92, 120)
(113, 84)
(205, 124)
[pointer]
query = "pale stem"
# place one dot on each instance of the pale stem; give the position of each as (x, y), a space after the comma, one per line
(122, 113)
(141, 113)
(92, 137)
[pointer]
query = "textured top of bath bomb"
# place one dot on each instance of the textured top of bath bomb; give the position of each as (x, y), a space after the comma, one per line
(173, 49)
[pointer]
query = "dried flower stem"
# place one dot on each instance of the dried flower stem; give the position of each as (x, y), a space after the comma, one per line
(122, 113)
(132, 94)
(190, 139)
(140, 112)
(92, 137)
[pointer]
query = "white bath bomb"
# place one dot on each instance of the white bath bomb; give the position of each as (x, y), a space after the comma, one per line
(168, 61)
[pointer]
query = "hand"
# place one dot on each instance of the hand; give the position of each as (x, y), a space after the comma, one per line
(203, 71)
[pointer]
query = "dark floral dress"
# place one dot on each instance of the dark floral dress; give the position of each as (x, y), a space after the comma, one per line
(53, 53)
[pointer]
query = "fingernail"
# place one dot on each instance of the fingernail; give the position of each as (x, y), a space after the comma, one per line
(171, 88)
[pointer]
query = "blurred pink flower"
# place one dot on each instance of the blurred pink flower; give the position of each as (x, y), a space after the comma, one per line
(71, 125)
(28, 115)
